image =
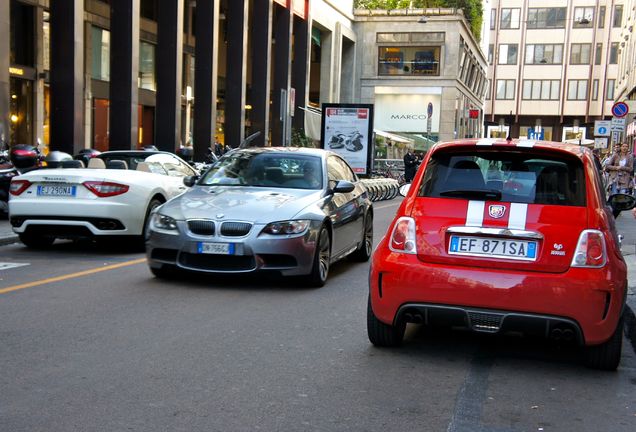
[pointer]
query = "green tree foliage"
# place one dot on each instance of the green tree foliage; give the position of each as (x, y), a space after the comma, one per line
(473, 9)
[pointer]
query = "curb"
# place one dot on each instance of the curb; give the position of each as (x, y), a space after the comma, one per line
(9, 239)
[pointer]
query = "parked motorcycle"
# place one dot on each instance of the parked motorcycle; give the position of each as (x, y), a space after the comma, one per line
(19, 159)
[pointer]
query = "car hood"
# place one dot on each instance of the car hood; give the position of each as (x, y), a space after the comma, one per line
(252, 204)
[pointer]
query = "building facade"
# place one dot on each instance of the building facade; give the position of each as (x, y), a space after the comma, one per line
(121, 74)
(553, 67)
(424, 72)
(626, 81)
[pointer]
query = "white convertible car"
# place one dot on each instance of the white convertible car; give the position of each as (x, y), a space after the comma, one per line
(112, 197)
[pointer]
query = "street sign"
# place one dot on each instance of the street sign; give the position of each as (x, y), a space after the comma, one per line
(620, 109)
(615, 136)
(600, 143)
(602, 128)
(534, 134)
(618, 124)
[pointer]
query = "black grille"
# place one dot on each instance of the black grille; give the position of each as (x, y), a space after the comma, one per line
(217, 262)
(235, 229)
(201, 227)
(160, 254)
(278, 261)
(485, 322)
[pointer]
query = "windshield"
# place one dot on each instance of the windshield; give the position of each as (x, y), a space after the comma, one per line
(278, 170)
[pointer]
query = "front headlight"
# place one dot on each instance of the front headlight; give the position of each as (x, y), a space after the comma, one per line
(164, 222)
(286, 227)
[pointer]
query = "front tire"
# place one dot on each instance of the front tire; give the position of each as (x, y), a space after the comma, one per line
(607, 355)
(36, 242)
(322, 260)
(383, 335)
(364, 251)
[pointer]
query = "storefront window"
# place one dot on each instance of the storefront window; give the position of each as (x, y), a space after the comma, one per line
(100, 65)
(21, 111)
(408, 61)
(46, 41)
(100, 124)
(147, 66)
(22, 34)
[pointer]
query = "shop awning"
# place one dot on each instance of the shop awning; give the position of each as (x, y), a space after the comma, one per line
(393, 137)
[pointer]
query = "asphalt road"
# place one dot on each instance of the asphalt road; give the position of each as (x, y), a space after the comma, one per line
(90, 341)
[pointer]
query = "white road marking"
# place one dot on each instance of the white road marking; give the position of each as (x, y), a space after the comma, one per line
(6, 266)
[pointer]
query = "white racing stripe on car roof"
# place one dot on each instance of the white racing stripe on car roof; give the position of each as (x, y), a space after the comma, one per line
(475, 213)
(526, 143)
(518, 213)
(486, 141)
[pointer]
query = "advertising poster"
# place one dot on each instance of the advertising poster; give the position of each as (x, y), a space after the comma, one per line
(347, 130)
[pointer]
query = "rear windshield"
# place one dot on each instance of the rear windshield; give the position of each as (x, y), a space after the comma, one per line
(505, 176)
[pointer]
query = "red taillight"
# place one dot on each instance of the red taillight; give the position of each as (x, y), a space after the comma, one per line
(590, 250)
(18, 186)
(403, 236)
(105, 189)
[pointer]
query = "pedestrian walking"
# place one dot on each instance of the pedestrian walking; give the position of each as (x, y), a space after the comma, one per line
(410, 165)
(620, 168)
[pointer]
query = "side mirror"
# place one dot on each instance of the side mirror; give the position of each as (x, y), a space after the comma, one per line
(343, 186)
(621, 202)
(190, 181)
(404, 189)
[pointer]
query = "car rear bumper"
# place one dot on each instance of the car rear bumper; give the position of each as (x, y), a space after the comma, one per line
(77, 218)
(287, 255)
(586, 301)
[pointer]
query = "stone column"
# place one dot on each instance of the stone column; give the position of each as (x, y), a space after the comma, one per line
(282, 72)
(124, 72)
(261, 40)
(169, 67)
(236, 79)
(300, 67)
(5, 88)
(67, 76)
(205, 75)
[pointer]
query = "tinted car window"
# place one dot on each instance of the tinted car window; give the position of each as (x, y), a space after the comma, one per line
(278, 170)
(505, 176)
(340, 170)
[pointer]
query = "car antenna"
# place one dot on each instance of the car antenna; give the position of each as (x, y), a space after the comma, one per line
(246, 142)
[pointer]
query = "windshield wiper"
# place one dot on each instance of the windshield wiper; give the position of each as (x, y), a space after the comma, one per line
(491, 194)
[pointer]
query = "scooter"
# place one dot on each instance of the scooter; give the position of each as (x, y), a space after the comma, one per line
(7, 172)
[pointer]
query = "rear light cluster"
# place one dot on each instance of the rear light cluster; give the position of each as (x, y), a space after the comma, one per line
(403, 236)
(18, 186)
(590, 250)
(105, 189)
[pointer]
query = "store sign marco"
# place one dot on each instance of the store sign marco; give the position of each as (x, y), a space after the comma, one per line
(406, 113)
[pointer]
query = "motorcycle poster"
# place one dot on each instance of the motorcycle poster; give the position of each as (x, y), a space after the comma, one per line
(347, 130)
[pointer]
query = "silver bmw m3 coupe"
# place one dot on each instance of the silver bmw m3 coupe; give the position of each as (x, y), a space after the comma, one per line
(294, 211)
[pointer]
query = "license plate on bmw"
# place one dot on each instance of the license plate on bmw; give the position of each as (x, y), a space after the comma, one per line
(491, 247)
(215, 248)
(57, 190)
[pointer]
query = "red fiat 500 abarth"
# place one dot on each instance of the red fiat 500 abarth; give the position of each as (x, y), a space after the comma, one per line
(504, 236)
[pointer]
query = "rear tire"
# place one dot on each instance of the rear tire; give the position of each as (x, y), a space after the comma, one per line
(383, 335)
(36, 242)
(322, 260)
(607, 355)
(364, 251)
(154, 203)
